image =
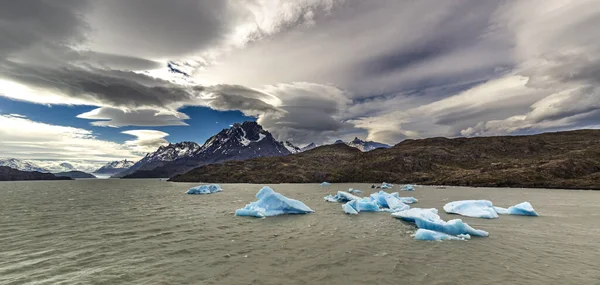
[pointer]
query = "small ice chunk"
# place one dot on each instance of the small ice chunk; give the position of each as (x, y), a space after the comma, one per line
(350, 190)
(523, 209)
(205, 189)
(350, 208)
(367, 205)
(407, 187)
(430, 220)
(325, 183)
(341, 197)
(271, 203)
(472, 208)
(423, 234)
(386, 185)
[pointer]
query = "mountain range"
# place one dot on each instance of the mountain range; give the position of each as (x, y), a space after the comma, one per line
(551, 160)
(240, 142)
(114, 167)
(22, 165)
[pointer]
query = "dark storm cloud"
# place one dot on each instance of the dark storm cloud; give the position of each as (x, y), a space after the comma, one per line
(158, 28)
(25, 23)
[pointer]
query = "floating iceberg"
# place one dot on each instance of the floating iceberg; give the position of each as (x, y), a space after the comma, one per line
(350, 190)
(391, 201)
(407, 187)
(485, 209)
(523, 209)
(205, 189)
(367, 205)
(350, 208)
(271, 203)
(472, 208)
(423, 234)
(341, 197)
(325, 183)
(386, 185)
(430, 220)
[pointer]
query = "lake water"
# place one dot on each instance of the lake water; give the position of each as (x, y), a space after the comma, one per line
(150, 232)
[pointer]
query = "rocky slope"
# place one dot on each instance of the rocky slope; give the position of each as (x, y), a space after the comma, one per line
(162, 156)
(551, 160)
(240, 142)
(11, 174)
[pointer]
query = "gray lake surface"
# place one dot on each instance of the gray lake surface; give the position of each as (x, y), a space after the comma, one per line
(151, 232)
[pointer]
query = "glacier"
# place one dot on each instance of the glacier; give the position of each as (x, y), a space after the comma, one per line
(325, 183)
(423, 234)
(430, 220)
(205, 189)
(271, 203)
(472, 208)
(522, 209)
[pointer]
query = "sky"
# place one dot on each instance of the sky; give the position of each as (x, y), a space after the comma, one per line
(88, 82)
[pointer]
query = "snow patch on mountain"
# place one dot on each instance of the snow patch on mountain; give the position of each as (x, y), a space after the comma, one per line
(22, 165)
(364, 145)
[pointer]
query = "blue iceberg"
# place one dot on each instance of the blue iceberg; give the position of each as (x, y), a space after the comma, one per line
(350, 208)
(341, 197)
(325, 183)
(430, 220)
(350, 190)
(407, 187)
(391, 201)
(271, 203)
(367, 205)
(523, 209)
(386, 185)
(205, 189)
(472, 208)
(423, 234)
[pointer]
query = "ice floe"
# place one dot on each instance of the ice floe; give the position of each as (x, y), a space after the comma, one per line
(407, 187)
(354, 191)
(430, 220)
(325, 183)
(271, 203)
(376, 202)
(485, 209)
(341, 197)
(205, 189)
(472, 208)
(423, 234)
(522, 209)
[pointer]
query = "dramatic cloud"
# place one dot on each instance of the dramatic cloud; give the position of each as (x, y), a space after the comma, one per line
(111, 117)
(310, 70)
(23, 138)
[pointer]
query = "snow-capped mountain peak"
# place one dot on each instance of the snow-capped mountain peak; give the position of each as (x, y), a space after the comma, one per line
(22, 165)
(172, 152)
(291, 147)
(366, 145)
(309, 147)
(114, 167)
(246, 134)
